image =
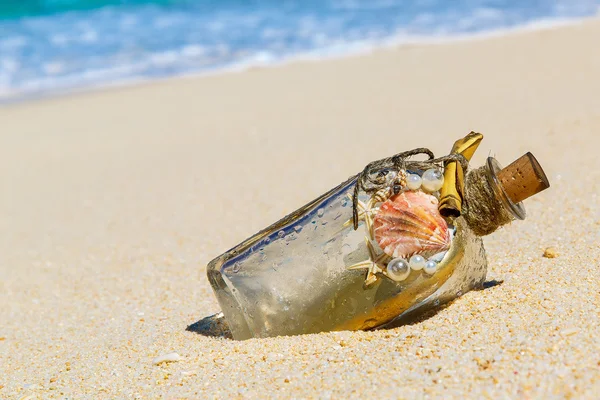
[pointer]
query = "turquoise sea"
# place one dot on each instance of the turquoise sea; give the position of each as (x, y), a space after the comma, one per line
(53, 46)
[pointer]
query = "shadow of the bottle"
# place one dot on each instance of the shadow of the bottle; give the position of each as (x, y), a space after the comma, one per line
(216, 326)
(491, 284)
(424, 314)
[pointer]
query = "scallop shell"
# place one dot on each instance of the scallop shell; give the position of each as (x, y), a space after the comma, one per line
(410, 223)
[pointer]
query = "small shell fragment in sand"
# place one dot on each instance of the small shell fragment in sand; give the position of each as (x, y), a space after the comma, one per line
(550, 252)
(167, 358)
(569, 331)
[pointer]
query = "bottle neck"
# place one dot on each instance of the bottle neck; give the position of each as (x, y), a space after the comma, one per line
(487, 206)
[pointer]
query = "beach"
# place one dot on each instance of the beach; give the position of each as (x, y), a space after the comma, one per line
(114, 201)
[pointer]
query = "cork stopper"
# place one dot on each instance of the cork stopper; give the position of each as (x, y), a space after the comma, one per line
(523, 178)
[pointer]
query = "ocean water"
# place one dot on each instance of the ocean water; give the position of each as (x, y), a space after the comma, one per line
(52, 46)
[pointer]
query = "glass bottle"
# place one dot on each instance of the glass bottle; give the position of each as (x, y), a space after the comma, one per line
(298, 275)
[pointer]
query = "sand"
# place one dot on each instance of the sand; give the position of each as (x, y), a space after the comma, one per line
(113, 202)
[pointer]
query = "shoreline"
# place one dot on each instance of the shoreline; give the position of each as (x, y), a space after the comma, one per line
(350, 50)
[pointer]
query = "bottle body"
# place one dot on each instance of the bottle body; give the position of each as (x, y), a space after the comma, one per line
(294, 277)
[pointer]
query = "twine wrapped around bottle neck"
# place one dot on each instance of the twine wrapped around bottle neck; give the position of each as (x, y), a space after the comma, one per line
(483, 210)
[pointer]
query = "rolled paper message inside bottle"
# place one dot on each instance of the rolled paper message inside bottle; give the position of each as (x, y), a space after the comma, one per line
(451, 194)
(312, 271)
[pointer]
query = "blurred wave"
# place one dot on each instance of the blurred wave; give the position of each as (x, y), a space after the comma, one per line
(49, 46)
(21, 8)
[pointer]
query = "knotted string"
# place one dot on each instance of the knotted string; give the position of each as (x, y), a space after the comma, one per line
(374, 176)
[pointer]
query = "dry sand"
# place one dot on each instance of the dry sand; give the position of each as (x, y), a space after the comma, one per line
(113, 202)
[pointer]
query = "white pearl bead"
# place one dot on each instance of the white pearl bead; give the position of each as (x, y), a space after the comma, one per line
(417, 262)
(398, 269)
(430, 267)
(433, 180)
(413, 182)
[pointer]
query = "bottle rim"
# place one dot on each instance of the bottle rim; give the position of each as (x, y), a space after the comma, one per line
(517, 210)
